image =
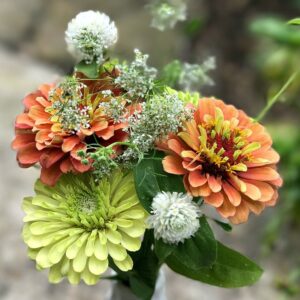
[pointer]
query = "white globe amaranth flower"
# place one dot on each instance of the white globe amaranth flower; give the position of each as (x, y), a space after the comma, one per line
(89, 35)
(175, 217)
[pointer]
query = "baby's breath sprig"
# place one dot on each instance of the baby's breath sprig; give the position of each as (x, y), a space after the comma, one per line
(104, 160)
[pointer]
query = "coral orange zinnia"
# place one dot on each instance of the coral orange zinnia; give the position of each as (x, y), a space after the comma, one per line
(58, 122)
(226, 158)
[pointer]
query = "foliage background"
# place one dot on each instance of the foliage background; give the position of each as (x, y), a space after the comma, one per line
(252, 63)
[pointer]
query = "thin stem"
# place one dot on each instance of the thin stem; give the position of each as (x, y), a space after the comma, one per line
(273, 100)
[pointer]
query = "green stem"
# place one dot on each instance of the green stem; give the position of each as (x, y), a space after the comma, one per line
(273, 100)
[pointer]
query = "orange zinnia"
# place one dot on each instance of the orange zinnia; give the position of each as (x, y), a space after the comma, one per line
(42, 138)
(226, 158)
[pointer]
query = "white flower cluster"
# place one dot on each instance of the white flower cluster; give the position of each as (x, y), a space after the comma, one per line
(136, 78)
(194, 76)
(166, 13)
(159, 116)
(175, 217)
(89, 35)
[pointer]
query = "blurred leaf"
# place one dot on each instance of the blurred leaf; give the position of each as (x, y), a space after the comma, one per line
(277, 30)
(193, 27)
(163, 250)
(171, 73)
(90, 70)
(295, 21)
(231, 270)
(150, 179)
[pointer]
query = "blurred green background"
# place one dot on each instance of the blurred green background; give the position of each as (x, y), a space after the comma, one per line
(256, 52)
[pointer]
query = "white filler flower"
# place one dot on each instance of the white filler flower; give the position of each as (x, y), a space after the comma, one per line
(89, 34)
(175, 217)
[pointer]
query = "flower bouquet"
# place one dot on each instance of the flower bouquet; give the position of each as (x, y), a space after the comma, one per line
(127, 164)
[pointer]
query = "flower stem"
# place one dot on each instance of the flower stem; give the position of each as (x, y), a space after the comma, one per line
(273, 100)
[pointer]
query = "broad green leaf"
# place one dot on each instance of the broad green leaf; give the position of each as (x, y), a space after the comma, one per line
(295, 21)
(90, 70)
(200, 250)
(163, 250)
(150, 179)
(145, 268)
(231, 269)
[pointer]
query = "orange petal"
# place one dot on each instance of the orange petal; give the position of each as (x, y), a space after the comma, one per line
(50, 175)
(78, 166)
(173, 164)
(255, 206)
(278, 182)
(23, 140)
(45, 88)
(50, 157)
(30, 100)
(107, 133)
(191, 166)
(37, 112)
(233, 195)
(214, 199)
(175, 146)
(262, 173)
(252, 191)
(226, 209)
(267, 191)
(214, 184)
(196, 179)
(98, 126)
(23, 121)
(28, 155)
(69, 143)
(66, 166)
(204, 190)
(241, 214)
(273, 201)
(42, 136)
(191, 141)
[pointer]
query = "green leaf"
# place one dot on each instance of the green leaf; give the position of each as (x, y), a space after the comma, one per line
(225, 226)
(145, 268)
(295, 21)
(150, 179)
(231, 269)
(90, 70)
(200, 250)
(163, 250)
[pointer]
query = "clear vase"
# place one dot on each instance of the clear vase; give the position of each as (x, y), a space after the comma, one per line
(121, 292)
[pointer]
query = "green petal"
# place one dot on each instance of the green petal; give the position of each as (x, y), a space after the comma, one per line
(124, 265)
(38, 228)
(65, 266)
(73, 277)
(55, 275)
(58, 250)
(123, 222)
(113, 236)
(45, 202)
(73, 249)
(80, 260)
(90, 245)
(88, 277)
(101, 251)
(117, 252)
(133, 214)
(42, 258)
(136, 230)
(130, 243)
(97, 266)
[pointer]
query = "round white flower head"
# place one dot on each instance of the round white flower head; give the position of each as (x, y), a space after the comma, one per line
(175, 217)
(89, 34)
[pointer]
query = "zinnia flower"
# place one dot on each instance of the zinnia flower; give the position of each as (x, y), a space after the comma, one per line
(175, 217)
(89, 35)
(58, 122)
(226, 158)
(74, 227)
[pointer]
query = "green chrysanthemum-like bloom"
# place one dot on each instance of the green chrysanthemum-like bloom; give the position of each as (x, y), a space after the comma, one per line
(74, 227)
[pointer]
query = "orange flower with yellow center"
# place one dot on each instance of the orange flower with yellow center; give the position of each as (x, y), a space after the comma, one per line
(55, 125)
(226, 158)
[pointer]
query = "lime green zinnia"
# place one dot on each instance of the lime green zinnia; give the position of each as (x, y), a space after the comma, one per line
(74, 227)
